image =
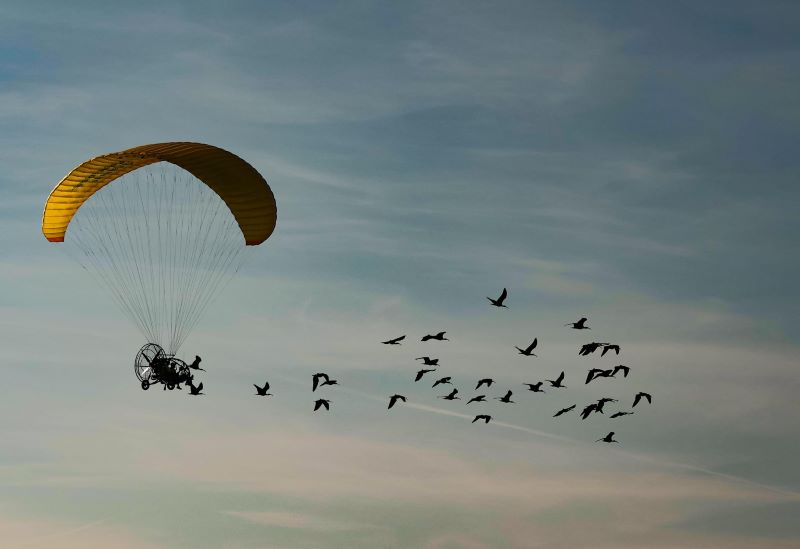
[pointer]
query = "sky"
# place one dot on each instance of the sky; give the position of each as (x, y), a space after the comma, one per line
(632, 162)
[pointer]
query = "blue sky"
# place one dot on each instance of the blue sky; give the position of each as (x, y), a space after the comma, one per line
(631, 162)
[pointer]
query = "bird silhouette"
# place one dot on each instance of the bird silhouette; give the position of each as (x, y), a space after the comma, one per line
(499, 301)
(437, 337)
(506, 398)
(620, 414)
(590, 348)
(535, 387)
(479, 398)
(484, 417)
(195, 365)
(442, 381)
(315, 381)
(262, 391)
(428, 361)
(608, 438)
(528, 351)
(395, 398)
(422, 373)
(451, 396)
(195, 391)
(592, 374)
(639, 397)
(564, 410)
(322, 402)
(602, 402)
(395, 341)
(486, 381)
(580, 325)
(557, 382)
(624, 369)
(608, 347)
(588, 410)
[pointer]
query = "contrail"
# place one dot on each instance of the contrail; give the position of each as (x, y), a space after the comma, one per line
(551, 436)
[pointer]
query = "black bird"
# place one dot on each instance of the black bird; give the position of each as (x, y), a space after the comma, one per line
(608, 438)
(395, 398)
(194, 391)
(557, 382)
(484, 417)
(451, 396)
(195, 365)
(590, 348)
(529, 350)
(580, 325)
(624, 369)
(602, 402)
(422, 373)
(486, 381)
(438, 337)
(506, 398)
(316, 383)
(564, 410)
(535, 387)
(593, 373)
(499, 301)
(428, 361)
(442, 381)
(322, 402)
(588, 410)
(479, 398)
(608, 347)
(395, 341)
(639, 397)
(262, 391)
(620, 414)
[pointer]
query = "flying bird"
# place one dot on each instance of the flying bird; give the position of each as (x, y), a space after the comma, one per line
(557, 382)
(395, 398)
(395, 341)
(443, 381)
(590, 348)
(262, 391)
(602, 402)
(564, 410)
(486, 381)
(624, 369)
(437, 337)
(608, 438)
(422, 373)
(428, 361)
(588, 410)
(315, 381)
(195, 365)
(528, 351)
(580, 325)
(484, 417)
(479, 398)
(506, 398)
(322, 402)
(608, 347)
(620, 414)
(639, 397)
(195, 391)
(593, 373)
(451, 396)
(535, 387)
(499, 301)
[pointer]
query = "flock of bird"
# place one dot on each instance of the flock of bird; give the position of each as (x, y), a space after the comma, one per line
(430, 365)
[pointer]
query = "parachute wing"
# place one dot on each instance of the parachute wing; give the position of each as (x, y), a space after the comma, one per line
(237, 183)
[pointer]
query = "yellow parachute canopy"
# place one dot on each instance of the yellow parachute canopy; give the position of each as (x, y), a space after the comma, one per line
(237, 183)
